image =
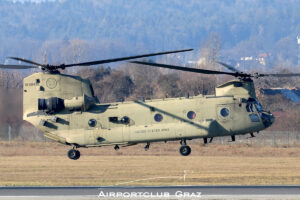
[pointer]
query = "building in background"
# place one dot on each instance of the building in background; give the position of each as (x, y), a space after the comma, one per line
(298, 41)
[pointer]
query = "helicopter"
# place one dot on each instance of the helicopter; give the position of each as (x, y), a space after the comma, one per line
(66, 109)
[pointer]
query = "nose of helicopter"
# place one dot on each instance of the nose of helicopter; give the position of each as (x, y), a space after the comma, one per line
(267, 119)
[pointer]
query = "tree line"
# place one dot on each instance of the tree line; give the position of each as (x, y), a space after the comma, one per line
(130, 82)
(113, 28)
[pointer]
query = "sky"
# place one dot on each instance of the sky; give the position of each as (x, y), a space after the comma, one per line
(36, 1)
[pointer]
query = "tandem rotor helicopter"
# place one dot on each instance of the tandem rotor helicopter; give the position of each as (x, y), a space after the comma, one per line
(66, 109)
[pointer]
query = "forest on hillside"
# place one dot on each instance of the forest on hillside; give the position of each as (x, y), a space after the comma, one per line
(107, 28)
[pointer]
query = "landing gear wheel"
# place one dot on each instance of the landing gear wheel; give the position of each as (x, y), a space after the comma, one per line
(147, 146)
(117, 147)
(185, 150)
(74, 154)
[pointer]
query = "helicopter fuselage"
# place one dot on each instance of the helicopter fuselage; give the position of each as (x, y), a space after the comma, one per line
(65, 109)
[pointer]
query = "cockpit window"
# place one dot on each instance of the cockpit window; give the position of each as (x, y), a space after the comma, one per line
(253, 102)
(249, 107)
(258, 106)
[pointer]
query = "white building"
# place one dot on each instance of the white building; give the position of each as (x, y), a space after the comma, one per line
(298, 41)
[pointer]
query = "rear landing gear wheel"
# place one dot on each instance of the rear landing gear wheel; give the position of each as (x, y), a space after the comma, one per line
(185, 150)
(74, 154)
(147, 146)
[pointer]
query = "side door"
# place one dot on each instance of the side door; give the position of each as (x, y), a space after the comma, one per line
(82, 129)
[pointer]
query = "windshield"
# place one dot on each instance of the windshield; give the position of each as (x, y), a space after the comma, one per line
(257, 105)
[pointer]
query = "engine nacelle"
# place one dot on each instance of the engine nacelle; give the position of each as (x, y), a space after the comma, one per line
(82, 103)
(54, 92)
(55, 104)
(51, 105)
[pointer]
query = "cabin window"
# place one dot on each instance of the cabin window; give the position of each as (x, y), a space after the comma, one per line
(191, 115)
(158, 117)
(125, 120)
(113, 119)
(92, 122)
(224, 112)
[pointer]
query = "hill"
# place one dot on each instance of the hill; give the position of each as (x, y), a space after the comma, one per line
(72, 30)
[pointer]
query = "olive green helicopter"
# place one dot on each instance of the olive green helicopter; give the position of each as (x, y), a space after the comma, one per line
(65, 108)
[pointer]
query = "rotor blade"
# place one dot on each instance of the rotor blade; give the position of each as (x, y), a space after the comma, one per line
(26, 61)
(281, 75)
(124, 58)
(229, 67)
(17, 66)
(203, 71)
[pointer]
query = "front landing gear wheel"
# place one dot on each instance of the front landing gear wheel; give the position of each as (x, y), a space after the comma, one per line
(185, 150)
(74, 154)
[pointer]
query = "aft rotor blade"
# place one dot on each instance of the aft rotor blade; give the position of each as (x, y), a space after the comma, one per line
(98, 62)
(281, 75)
(17, 66)
(203, 71)
(26, 61)
(229, 67)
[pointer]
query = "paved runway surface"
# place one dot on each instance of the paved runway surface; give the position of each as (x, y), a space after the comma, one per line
(206, 191)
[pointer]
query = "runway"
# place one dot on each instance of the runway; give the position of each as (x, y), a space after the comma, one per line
(165, 192)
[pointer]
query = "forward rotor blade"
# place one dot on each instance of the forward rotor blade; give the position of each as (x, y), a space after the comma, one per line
(98, 62)
(281, 75)
(203, 71)
(229, 67)
(26, 61)
(17, 66)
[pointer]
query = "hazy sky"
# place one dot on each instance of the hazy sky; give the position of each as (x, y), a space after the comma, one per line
(36, 1)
